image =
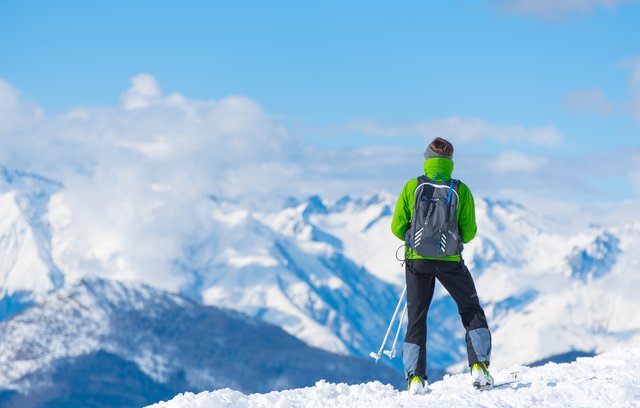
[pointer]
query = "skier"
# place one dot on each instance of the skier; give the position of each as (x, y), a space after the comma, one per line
(435, 215)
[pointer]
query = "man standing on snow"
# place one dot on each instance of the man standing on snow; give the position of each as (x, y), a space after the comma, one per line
(435, 216)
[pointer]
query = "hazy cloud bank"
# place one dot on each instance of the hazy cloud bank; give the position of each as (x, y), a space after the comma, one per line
(462, 131)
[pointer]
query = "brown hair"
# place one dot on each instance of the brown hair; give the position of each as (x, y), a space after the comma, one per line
(441, 146)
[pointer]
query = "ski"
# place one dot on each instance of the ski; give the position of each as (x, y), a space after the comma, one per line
(513, 377)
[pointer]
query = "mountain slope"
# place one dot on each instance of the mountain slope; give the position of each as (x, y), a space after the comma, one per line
(611, 379)
(286, 270)
(27, 270)
(98, 379)
(173, 343)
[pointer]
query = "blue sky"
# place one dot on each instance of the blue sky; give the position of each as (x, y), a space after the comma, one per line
(361, 75)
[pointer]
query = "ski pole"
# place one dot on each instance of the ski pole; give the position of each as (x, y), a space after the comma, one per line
(377, 355)
(392, 353)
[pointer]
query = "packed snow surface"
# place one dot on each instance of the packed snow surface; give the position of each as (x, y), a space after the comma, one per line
(607, 380)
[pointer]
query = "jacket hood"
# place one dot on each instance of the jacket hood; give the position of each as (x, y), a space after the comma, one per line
(440, 167)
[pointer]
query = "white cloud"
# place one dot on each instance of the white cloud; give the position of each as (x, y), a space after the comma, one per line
(144, 89)
(518, 162)
(594, 101)
(588, 101)
(460, 131)
(555, 9)
(16, 113)
(137, 176)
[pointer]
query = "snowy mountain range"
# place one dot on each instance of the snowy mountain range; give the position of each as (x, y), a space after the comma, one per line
(527, 267)
(326, 272)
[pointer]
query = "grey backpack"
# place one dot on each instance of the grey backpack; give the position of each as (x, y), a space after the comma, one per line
(434, 229)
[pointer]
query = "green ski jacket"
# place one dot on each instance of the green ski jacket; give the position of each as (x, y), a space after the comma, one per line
(466, 212)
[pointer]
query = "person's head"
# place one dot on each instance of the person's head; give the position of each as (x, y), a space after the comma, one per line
(439, 148)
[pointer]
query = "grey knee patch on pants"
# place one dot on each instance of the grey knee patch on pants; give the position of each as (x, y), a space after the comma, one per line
(481, 341)
(410, 355)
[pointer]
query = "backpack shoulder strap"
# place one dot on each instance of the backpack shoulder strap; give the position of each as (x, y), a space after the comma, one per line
(422, 181)
(451, 186)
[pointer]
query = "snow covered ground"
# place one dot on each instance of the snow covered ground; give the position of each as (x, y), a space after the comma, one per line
(608, 380)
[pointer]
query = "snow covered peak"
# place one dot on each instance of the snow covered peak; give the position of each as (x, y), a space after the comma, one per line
(595, 259)
(27, 270)
(14, 179)
(378, 198)
(106, 295)
(314, 205)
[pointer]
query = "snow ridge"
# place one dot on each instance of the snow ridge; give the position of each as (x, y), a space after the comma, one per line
(611, 379)
(27, 269)
(170, 340)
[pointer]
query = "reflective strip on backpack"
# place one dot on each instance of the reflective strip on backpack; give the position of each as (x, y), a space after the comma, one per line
(418, 236)
(443, 242)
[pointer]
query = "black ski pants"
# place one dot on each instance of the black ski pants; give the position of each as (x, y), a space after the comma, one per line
(421, 275)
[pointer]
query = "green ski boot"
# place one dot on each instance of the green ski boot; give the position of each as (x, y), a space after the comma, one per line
(481, 376)
(417, 385)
